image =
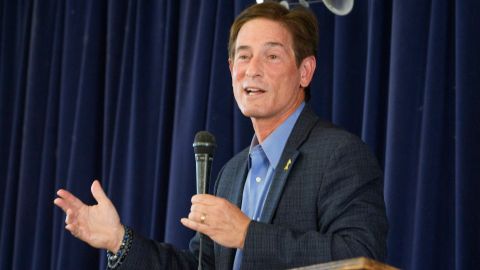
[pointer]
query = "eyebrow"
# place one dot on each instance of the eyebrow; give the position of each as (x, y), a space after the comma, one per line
(274, 44)
(268, 44)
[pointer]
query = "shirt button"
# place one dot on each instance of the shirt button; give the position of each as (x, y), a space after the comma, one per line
(258, 179)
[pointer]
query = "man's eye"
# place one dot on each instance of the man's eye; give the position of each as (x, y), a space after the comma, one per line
(272, 57)
(242, 57)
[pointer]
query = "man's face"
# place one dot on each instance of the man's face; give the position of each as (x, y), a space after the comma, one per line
(265, 77)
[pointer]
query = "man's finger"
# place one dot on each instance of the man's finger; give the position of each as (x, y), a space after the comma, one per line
(61, 203)
(202, 228)
(69, 217)
(71, 228)
(198, 217)
(69, 198)
(205, 199)
(199, 208)
(97, 192)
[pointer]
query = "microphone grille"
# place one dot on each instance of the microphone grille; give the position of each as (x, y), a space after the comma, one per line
(204, 143)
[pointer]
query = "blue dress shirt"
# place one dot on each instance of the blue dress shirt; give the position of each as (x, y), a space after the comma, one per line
(263, 159)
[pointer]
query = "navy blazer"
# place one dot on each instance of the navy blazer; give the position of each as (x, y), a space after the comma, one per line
(325, 203)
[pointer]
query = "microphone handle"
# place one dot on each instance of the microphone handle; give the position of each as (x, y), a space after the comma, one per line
(203, 166)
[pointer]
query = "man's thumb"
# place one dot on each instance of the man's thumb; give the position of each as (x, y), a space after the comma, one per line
(97, 192)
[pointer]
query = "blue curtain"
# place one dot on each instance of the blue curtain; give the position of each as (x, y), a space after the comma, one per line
(116, 90)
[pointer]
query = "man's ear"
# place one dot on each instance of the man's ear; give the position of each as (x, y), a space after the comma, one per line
(307, 68)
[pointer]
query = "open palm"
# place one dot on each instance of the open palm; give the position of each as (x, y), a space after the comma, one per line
(98, 225)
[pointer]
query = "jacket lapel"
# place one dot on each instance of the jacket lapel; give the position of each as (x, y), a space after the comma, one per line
(300, 132)
(234, 195)
(239, 183)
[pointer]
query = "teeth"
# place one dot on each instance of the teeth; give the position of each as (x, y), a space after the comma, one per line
(253, 91)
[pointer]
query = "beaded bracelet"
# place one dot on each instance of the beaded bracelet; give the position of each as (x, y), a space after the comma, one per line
(115, 260)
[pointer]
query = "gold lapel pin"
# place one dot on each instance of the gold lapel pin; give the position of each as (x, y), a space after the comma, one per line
(287, 166)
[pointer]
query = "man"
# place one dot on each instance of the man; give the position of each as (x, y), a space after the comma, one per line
(304, 192)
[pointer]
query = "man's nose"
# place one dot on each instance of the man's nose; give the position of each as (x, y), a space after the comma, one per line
(255, 67)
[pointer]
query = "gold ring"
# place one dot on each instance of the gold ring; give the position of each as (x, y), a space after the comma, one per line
(202, 218)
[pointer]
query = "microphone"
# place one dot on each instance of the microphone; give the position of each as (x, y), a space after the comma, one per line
(204, 147)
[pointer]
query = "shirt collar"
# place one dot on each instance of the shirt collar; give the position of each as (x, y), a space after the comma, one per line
(274, 144)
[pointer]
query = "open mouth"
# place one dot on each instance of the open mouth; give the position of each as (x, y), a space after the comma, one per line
(251, 91)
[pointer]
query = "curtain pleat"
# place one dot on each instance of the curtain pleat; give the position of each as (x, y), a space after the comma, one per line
(467, 132)
(375, 98)
(405, 105)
